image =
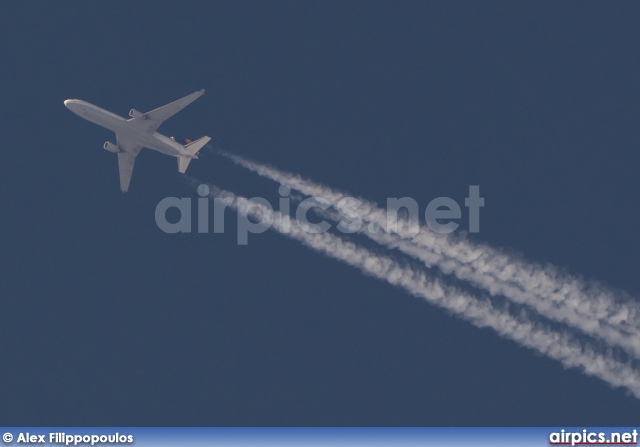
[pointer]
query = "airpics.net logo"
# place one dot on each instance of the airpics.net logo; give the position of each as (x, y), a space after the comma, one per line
(348, 214)
(588, 437)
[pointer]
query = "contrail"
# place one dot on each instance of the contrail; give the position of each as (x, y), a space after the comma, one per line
(588, 307)
(561, 346)
(565, 314)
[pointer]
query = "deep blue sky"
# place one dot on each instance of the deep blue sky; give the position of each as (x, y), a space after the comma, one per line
(106, 320)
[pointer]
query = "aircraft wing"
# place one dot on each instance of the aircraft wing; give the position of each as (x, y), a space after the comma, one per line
(153, 119)
(126, 160)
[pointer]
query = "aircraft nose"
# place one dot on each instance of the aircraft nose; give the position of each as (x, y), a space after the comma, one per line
(68, 102)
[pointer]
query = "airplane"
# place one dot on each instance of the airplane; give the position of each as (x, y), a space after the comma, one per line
(140, 131)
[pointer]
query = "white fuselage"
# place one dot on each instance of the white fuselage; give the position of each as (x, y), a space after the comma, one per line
(125, 129)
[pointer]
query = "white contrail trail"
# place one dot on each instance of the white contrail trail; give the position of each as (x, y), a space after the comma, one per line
(587, 307)
(559, 313)
(561, 346)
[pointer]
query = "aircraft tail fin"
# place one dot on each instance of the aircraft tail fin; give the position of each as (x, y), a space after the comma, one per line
(192, 148)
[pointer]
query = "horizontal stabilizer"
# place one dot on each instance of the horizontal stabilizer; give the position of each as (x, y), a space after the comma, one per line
(192, 148)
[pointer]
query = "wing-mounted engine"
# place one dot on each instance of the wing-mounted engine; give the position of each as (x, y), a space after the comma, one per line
(133, 113)
(108, 145)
